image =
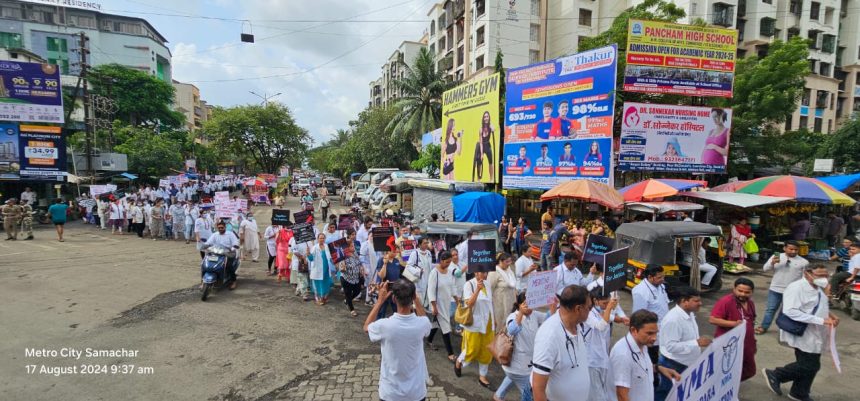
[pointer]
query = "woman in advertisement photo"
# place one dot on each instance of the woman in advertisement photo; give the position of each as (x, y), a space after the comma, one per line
(452, 147)
(487, 137)
(593, 155)
(717, 144)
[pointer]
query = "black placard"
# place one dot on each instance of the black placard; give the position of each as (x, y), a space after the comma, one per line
(303, 232)
(337, 250)
(281, 217)
(383, 239)
(304, 217)
(344, 221)
(615, 270)
(596, 246)
(482, 255)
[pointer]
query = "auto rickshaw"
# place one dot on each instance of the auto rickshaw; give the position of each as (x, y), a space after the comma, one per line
(674, 246)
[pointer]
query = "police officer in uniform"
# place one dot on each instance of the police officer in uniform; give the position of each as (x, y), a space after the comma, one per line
(11, 217)
(27, 219)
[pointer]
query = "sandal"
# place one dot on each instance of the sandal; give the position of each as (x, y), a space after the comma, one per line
(458, 369)
(760, 330)
(485, 385)
(452, 359)
(353, 313)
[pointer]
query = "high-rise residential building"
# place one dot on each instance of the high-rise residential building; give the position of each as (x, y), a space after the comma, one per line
(188, 102)
(383, 90)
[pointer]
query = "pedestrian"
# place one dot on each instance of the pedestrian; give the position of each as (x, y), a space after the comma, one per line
(441, 292)
(283, 245)
(157, 229)
(842, 255)
(503, 283)
(403, 370)
(191, 212)
(800, 227)
(460, 270)
(28, 196)
(11, 214)
(555, 237)
(324, 202)
(524, 266)
(350, 278)
(270, 235)
(177, 217)
(704, 267)
(137, 218)
(733, 310)
(548, 216)
(202, 231)
(546, 247)
(102, 208)
(58, 216)
(632, 369)
(388, 270)
(567, 273)
(419, 266)
(522, 325)
(300, 266)
(369, 257)
(249, 234)
(740, 233)
(506, 233)
(680, 342)
(321, 270)
(835, 224)
(787, 268)
(560, 359)
(650, 294)
(520, 235)
(27, 219)
(805, 304)
(477, 336)
(596, 332)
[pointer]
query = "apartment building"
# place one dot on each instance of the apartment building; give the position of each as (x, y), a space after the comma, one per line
(382, 90)
(188, 102)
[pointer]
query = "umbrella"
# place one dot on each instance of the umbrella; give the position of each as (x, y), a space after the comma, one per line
(255, 182)
(729, 187)
(587, 190)
(800, 189)
(657, 188)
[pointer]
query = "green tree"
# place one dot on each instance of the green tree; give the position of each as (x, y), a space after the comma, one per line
(842, 146)
(429, 160)
(267, 135)
(420, 108)
(149, 154)
(141, 99)
(373, 145)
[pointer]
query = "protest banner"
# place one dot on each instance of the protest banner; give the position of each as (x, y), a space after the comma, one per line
(470, 114)
(163, 183)
(242, 205)
(595, 247)
(304, 217)
(344, 221)
(541, 289)
(303, 232)
(337, 250)
(615, 269)
(31, 92)
(482, 255)
(716, 374)
(260, 198)
(221, 196)
(96, 190)
(383, 239)
(281, 217)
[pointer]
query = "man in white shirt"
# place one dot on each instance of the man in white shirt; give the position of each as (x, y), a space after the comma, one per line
(420, 263)
(367, 255)
(202, 230)
(524, 266)
(680, 343)
(228, 240)
(560, 359)
(249, 235)
(403, 371)
(631, 365)
(650, 294)
(787, 268)
(363, 233)
(804, 301)
(28, 196)
(568, 274)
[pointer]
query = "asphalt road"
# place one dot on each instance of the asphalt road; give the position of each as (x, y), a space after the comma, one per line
(259, 342)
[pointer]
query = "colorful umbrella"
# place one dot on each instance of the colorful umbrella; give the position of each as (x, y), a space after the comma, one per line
(800, 189)
(587, 190)
(255, 182)
(657, 188)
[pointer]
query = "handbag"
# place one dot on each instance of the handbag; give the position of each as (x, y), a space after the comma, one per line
(303, 265)
(463, 314)
(502, 347)
(750, 246)
(792, 326)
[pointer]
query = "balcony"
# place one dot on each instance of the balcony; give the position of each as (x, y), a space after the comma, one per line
(795, 7)
(446, 64)
(828, 44)
(459, 8)
(722, 15)
(198, 111)
(768, 27)
(742, 9)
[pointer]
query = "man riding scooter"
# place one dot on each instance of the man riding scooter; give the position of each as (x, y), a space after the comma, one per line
(227, 240)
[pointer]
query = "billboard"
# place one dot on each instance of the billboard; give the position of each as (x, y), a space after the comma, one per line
(10, 159)
(558, 120)
(43, 153)
(679, 59)
(470, 137)
(30, 92)
(660, 137)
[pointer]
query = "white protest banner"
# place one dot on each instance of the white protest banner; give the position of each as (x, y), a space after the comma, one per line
(716, 374)
(833, 353)
(222, 196)
(163, 183)
(242, 205)
(96, 190)
(541, 289)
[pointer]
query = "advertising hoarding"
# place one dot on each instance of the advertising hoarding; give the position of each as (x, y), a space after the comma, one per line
(10, 159)
(558, 120)
(470, 132)
(30, 92)
(42, 152)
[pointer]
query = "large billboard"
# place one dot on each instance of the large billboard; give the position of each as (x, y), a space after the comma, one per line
(10, 160)
(30, 92)
(683, 139)
(558, 120)
(43, 153)
(680, 59)
(470, 134)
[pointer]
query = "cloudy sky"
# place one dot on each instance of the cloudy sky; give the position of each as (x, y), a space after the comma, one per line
(320, 54)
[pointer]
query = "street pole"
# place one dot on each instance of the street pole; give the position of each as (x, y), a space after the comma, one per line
(83, 51)
(265, 97)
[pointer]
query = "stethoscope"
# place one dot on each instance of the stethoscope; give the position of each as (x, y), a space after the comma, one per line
(635, 357)
(648, 285)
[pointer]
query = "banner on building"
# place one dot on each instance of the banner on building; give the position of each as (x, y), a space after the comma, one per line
(42, 151)
(10, 159)
(558, 121)
(716, 374)
(470, 132)
(679, 59)
(30, 92)
(658, 137)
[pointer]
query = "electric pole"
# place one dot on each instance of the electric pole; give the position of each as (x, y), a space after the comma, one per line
(83, 51)
(265, 97)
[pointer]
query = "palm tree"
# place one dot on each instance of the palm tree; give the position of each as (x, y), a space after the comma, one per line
(420, 107)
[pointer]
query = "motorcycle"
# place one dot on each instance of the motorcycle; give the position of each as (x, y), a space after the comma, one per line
(214, 269)
(845, 295)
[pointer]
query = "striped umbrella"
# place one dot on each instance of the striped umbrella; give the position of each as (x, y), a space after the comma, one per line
(800, 189)
(657, 188)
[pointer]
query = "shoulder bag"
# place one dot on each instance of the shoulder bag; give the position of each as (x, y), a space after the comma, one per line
(463, 314)
(502, 347)
(792, 326)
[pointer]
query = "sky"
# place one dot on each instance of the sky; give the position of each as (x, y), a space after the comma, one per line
(319, 54)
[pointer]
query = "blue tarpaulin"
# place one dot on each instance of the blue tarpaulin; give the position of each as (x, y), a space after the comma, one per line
(479, 207)
(129, 176)
(840, 182)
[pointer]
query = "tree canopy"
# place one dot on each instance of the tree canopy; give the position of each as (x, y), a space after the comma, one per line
(842, 146)
(420, 108)
(141, 99)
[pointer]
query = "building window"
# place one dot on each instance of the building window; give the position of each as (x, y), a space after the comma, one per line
(723, 14)
(829, 126)
(828, 15)
(480, 36)
(534, 56)
(432, 28)
(480, 8)
(768, 25)
(824, 69)
(693, 8)
(795, 7)
(10, 40)
(479, 62)
(584, 17)
(818, 123)
(813, 39)
(82, 21)
(814, 10)
(804, 122)
(807, 94)
(12, 11)
(441, 44)
(788, 123)
(828, 43)
(535, 7)
(812, 66)
(432, 48)
(459, 56)
(821, 98)
(767, 1)
(534, 32)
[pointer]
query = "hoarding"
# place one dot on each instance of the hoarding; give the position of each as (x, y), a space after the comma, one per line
(659, 137)
(470, 132)
(30, 92)
(42, 152)
(10, 159)
(680, 59)
(558, 120)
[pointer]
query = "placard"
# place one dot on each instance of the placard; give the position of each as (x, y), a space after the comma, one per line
(541, 289)
(595, 247)
(304, 217)
(96, 190)
(281, 217)
(716, 374)
(615, 270)
(303, 232)
(482, 255)
(383, 239)
(345, 222)
(337, 250)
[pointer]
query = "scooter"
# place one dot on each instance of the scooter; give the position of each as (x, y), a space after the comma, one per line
(214, 269)
(847, 297)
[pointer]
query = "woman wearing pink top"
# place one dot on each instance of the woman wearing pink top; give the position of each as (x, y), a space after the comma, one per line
(717, 144)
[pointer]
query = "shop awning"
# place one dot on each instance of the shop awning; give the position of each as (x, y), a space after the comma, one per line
(663, 207)
(736, 199)
(841, 182)
(130, 176)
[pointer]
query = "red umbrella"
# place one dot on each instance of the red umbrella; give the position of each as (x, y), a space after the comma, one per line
(657, 188)
(587, 190)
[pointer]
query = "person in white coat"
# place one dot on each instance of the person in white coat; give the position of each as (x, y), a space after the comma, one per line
(369, 258)
(270, 235)
(597, 332)
(419, 265)
(249, 234)
(300, 252)
(322, 270)
(441, 292)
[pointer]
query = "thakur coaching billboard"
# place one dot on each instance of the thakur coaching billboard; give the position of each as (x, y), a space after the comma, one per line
(684, 139)
(680, 59)
(30, 92)
(558, 120)
(470, 132)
